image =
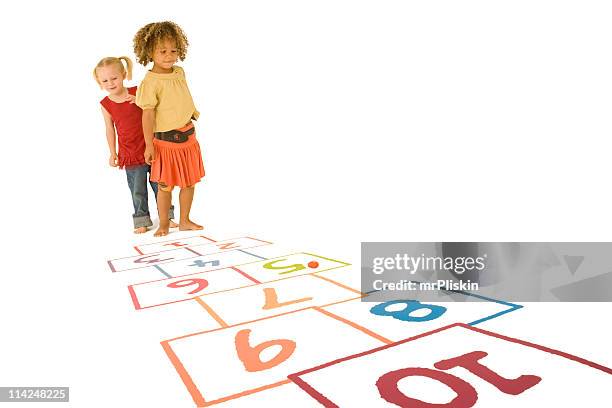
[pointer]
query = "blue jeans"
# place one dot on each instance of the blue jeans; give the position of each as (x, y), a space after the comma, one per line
(137, 178)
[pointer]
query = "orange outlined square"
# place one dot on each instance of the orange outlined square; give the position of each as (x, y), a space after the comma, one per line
(255, 302)
(211, 369)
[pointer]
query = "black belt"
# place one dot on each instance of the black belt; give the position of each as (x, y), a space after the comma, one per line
(175, 136)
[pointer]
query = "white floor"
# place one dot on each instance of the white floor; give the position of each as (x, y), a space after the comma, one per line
(324, 124)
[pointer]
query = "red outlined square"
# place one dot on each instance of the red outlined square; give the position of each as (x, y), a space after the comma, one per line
(508, 357)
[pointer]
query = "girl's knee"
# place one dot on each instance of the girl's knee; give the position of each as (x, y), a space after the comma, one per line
(164, 187)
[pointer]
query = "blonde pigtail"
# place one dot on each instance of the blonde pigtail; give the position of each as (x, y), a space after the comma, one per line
(128, 66)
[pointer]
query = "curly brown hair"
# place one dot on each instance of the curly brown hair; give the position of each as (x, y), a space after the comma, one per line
(150, 35)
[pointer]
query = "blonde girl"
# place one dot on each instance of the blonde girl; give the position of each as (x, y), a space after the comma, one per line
(168, 109)
(123, 118)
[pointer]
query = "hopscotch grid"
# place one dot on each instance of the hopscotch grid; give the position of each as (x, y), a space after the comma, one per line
(191, 386)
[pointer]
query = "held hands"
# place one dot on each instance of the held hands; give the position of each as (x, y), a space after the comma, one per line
(112, 160)
(149, 154)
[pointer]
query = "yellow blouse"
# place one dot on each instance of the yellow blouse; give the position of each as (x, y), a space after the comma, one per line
(169, 95)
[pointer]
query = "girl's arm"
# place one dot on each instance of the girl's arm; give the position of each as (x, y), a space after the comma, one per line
(110, 137)
(148, 123)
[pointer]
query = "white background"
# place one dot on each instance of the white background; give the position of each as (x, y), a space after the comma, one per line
(324, 124)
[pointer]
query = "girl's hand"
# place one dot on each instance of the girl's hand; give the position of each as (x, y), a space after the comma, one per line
(149, 154)
(112, 160)
(128, 98)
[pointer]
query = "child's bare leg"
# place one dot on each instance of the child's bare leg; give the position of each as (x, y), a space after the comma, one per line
(185, 200)
(164, 199)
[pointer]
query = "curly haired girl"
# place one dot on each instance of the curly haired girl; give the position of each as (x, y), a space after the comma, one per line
(168, 109)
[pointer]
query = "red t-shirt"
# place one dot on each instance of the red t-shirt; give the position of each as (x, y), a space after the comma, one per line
(127, 118)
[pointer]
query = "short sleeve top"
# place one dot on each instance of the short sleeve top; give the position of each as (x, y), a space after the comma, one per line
(169, 95)
(127, 119)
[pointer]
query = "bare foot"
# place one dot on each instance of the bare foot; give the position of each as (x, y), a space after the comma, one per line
(173, 224)
(189, 225)
(140, 230)
(162, 230)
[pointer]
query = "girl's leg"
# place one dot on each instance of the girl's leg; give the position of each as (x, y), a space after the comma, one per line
(164, 198)
(137, 181)
(171, 211)
(185, 200)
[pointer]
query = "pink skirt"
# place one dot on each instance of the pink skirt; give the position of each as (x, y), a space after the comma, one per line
(177, 164)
